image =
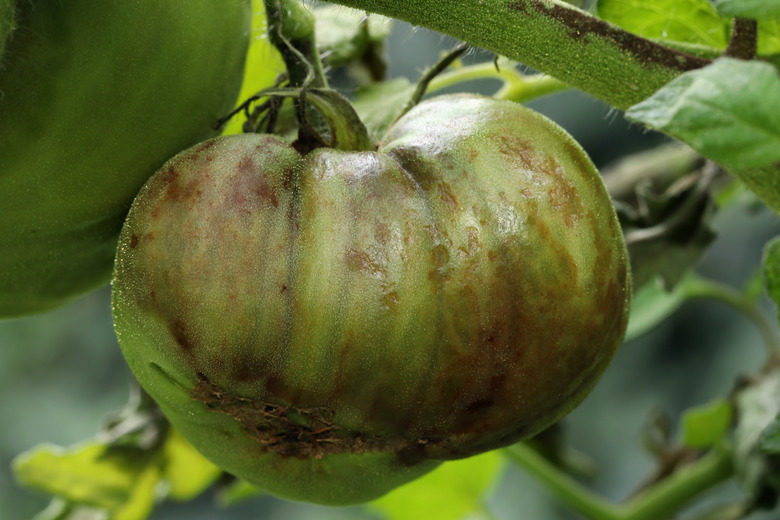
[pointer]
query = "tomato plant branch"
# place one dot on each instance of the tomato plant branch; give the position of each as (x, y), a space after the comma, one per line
(660, 501)
(553, 37)
(677, 491)
(744, 39)
(562, 485)
(516, 86)
(743, 303)
(291, 31)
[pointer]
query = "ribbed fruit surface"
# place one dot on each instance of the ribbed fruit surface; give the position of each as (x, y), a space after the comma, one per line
(329, 326)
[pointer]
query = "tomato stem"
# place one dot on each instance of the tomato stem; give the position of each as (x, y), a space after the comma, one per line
(660, 501)
(516, 86)
(291, 30)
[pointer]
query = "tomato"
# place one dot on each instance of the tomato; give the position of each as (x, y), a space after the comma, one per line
(332, 325)
(94, 97)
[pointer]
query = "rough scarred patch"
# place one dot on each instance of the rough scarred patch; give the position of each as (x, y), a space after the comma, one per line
(297, 432)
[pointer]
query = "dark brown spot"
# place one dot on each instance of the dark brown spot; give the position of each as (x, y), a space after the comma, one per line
(179, 333)
(361, 262)
(382, 233)
(251, 186)
(447, 196)
(134, 241)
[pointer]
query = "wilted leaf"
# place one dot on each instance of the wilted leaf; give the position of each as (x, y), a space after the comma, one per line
(704, 426)
(687, 21)
(728, 111)
(450, 492)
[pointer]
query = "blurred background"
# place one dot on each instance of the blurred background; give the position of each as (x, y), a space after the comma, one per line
(62, 371)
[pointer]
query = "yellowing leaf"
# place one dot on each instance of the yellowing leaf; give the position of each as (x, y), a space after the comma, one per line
(187, 472)
(687, 21)
(88, 474)
(450, 492)
(263, 65)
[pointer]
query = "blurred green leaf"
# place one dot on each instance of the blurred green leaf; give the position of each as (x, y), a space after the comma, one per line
(704, 426)
(770, 437)
(379, 104)
(343, 34)
(771, 267)
(687, 21)
(237, 492)
(450, 492)
(187, 472)
(769, 36)
(143, 496)
(729, 111)
(62, 510)
(90, 473)
(651, 305)
(263, 64)
(756, 9)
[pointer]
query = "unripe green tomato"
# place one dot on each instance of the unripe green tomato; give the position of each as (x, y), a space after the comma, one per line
(330, 326)
(95, 96)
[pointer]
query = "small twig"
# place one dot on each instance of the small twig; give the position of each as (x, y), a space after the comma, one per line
(744, 39)
(430, 74)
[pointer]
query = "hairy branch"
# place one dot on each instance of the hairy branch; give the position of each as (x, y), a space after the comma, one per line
(553, 37)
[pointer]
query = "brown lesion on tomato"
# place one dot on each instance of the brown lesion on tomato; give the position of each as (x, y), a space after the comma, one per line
(364, 263)
(250, 186)
(178, 330)
(300, 432)
(447, 196)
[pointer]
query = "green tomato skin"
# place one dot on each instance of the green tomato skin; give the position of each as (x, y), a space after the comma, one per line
(94, 97)
(330, 326)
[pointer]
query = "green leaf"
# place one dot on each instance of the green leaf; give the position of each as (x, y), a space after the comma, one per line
(263, 64)
(89, 474)
(771, 267)
(728, 111)
(651, 305)
(769, 36)
(687, 21)
(59, 509)
(704, 426)
(187, 472)
(379, 104)
(755, 9)
(237, 492)
(143, 496)
(343, 34)
(770, 438)
(450, 492)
